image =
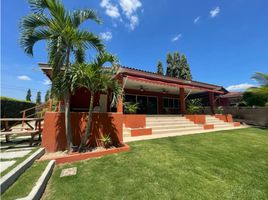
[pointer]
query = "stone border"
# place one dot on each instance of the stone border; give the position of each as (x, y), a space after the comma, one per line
(37, 191)
(74, 157)
(12, 176)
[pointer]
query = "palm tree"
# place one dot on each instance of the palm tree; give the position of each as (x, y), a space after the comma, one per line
(50, 22)
(263, 81)
(96, 79)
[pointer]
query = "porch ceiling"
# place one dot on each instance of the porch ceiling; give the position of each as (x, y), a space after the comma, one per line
(155, 87)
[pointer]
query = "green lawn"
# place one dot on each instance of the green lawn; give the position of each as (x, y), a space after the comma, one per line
(220, 165)
(23, 186)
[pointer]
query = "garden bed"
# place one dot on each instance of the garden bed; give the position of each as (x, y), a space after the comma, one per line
(61, 158)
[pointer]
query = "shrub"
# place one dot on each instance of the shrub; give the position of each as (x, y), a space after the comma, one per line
(130, 107)
(194, 106)
(219, 110)
(11, 108)
(107, 140)
(255, 99)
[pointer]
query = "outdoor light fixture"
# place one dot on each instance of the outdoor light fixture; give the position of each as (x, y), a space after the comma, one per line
(164, 91)
(141, 89)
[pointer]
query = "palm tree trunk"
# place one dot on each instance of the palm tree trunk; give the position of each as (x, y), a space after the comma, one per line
(68, 129)
(88, 127)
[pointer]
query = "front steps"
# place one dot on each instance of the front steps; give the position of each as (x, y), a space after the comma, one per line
(171, 125)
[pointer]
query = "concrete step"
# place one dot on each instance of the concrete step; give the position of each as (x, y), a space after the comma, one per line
(156, 127)
(176, 130)
(167, 120)
(160, 123)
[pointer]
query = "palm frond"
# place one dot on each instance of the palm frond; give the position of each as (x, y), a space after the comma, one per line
(88, 40)
(80, 16)
(27, 41)
(261, 78)
(38, 6)
(33, 21)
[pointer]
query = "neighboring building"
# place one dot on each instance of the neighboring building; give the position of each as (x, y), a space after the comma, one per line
(155, 94)
(230, 99)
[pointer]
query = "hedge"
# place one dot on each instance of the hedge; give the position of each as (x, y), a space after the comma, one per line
(11, 108)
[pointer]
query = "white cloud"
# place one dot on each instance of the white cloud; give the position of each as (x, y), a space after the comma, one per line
(128, 10)
(24, 78)
(106, 36)
(196, 19)
(129, 7)
(213, 13)
(110, 9)
(177, 37)
(240, 87)
(46, 82)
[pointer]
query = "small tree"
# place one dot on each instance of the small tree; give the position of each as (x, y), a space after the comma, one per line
(184, 70)
(160, 69)
(47, 96)
(29, 95)
(38, 97)
(169, 71)
(96, 79)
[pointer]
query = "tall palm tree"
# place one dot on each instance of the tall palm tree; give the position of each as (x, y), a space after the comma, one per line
(96, 79)
(51, 22)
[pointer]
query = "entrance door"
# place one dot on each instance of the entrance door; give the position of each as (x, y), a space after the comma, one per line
(152, 105)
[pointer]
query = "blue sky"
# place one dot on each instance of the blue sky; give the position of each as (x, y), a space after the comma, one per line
(225, 41)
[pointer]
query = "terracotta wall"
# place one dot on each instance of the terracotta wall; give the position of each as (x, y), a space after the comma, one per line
(54, 139)
(135, 120)
(197, 119)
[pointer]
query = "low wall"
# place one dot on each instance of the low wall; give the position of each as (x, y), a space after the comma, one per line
(255, 116)
(197, 119)
(54, 138)
(135, 121)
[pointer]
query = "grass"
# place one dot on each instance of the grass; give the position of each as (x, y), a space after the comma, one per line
(25, 182)
(220, 165)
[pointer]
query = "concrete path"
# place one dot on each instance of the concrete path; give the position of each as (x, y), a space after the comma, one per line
(6, 164)
(14, 154)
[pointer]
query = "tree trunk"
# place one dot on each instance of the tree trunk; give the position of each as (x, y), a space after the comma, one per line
(88, 127)
(68, 129)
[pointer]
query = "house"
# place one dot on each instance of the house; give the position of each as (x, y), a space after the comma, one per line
(156, 95)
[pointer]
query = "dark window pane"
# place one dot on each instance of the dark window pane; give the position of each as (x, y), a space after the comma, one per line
(170, 103)
(165, 102)
(176, 103)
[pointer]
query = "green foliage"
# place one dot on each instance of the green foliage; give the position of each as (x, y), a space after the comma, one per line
(255, 99)
(219, 110)
(28, 95)
(11, 108)
(176, 65)
(169, 71)
(263, 81)
(47, 96)
(38, 97)
(107, 140)
(194, 106)
(160, 69)
(131, 107)
(184, 69)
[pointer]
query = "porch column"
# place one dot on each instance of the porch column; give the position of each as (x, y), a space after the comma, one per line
(182, 101)
(211, 102)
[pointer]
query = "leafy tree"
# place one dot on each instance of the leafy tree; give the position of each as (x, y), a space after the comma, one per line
(257, 96)
(29, 95)
(47, 96)
(96, 79)
(169, 71)
(51, 22)
(160, 69)
(255, 99)
(184, 70)
(176, 64)
(38, 97)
